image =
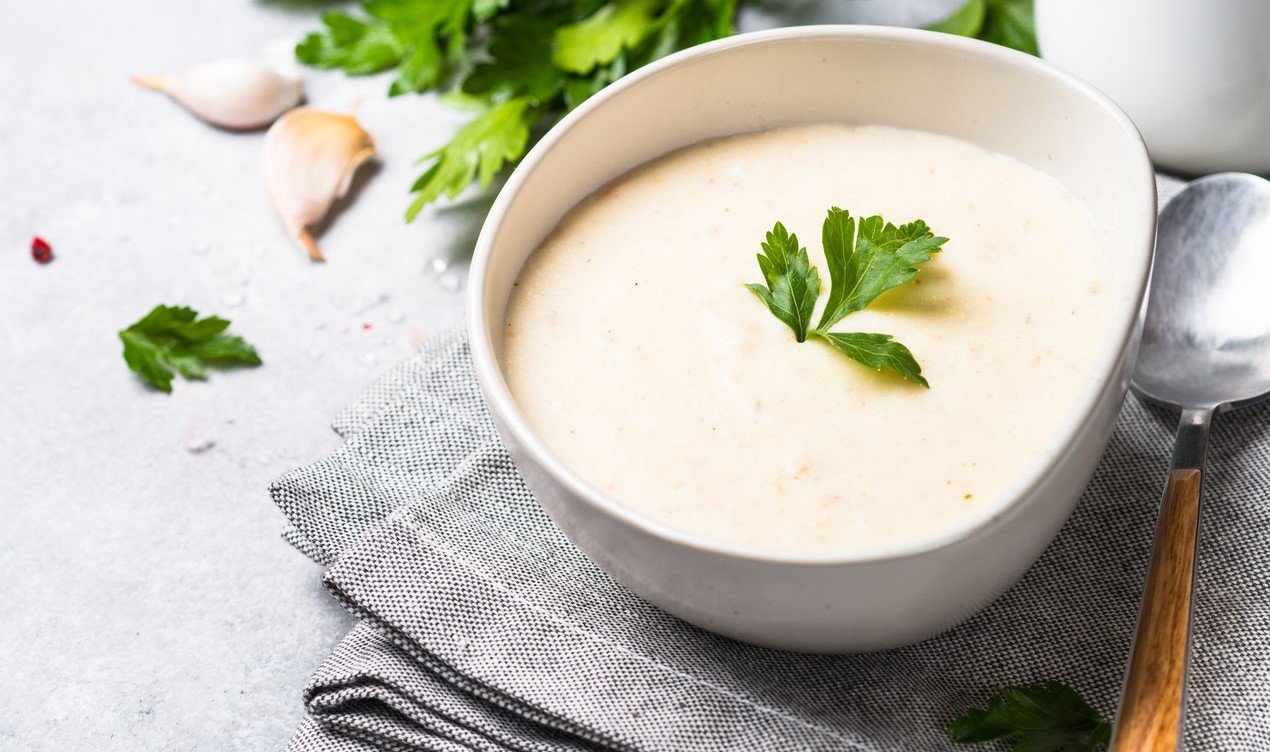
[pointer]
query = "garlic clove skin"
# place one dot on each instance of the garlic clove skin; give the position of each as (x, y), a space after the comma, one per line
(310, 158)
(232, 92)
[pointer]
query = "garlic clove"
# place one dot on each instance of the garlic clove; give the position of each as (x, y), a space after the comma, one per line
(310, 159)
(232, 92)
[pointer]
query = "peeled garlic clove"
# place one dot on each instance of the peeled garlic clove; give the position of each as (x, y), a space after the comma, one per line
(232, 92)
(310, 158)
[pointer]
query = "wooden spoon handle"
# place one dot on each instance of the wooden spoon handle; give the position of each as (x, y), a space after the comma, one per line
(1151, 708)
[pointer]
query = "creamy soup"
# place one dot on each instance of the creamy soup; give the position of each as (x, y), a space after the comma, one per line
(638, 356)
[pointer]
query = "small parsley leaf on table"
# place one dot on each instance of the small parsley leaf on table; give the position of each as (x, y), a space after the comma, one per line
(1050, 717)
(172, 339)
(866, 257)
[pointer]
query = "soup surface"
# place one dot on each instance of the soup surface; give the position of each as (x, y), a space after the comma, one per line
(640, 359)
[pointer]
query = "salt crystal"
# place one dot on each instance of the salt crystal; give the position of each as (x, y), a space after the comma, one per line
(450, 282)
(396, 315)
(198, 440)
(233, 298)
(202, 249)
(439, 265)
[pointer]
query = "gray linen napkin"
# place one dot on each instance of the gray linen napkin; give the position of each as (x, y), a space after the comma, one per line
(483, 628)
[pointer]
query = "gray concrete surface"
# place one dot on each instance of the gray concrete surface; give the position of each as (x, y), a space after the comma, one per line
(148, 601)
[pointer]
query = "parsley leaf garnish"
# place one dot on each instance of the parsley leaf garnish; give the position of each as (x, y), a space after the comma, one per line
(1009, 23)
(877, 351)
(792, 282)
(863, 266)
(865, 259)
(1050, 717)
(173, 338)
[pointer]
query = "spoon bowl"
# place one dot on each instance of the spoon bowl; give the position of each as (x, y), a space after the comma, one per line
(1206, 340)
(1205, 349)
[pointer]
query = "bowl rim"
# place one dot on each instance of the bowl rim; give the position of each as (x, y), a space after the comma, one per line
(503, 405)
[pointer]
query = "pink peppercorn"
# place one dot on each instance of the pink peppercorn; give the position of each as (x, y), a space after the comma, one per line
(41, 251)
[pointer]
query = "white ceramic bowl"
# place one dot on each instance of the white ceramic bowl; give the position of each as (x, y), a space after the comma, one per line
(1004, 100)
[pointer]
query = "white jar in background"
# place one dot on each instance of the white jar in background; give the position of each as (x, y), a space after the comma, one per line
(1194, 76)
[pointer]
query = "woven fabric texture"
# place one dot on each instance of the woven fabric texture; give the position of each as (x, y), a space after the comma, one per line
(482, 628)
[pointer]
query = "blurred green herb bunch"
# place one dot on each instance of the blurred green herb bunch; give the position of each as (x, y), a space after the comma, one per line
(521, 64)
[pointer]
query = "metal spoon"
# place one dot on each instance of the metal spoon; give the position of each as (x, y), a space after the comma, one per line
(1205, 350)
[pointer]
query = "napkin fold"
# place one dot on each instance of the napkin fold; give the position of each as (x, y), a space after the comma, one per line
(482, 628)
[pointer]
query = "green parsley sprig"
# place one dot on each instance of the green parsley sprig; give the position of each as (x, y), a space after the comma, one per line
(172, 339)
(863, 262)
(1050, 717)
(524, 63)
